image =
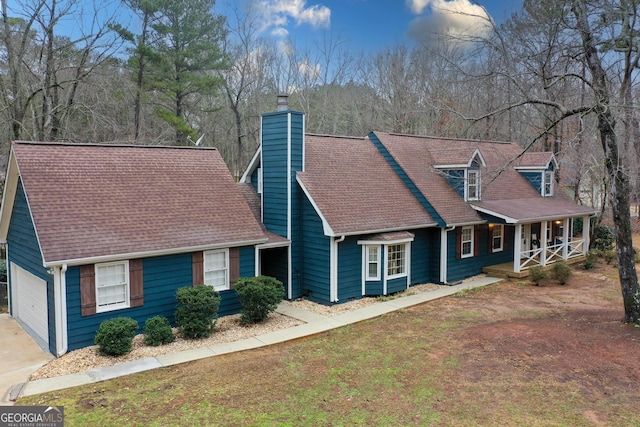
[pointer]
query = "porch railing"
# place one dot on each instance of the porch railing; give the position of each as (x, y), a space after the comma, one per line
(530, 258)
(553, 253)
(576, 248)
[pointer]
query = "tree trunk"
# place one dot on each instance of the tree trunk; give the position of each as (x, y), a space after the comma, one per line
(618, 180)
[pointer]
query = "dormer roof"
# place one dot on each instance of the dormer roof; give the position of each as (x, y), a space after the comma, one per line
(536, 161)
(456, 158)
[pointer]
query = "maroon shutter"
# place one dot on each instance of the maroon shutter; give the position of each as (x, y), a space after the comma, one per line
(88, 289)
(459, 243)
(136, 286)
(197, 268)
(490, 239)
(234, 266)
(476, 240)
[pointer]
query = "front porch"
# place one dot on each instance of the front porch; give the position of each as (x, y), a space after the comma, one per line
(542, 244)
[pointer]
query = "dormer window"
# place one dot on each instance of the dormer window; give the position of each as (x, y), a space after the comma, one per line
(472, 188)
(548, 184)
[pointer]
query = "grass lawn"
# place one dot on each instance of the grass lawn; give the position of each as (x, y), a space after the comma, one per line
(510, 354)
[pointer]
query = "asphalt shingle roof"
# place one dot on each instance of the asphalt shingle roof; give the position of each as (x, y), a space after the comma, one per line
(91, 201)
(355, 189)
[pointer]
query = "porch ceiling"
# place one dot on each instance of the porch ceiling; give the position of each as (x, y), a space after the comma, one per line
(516, 211)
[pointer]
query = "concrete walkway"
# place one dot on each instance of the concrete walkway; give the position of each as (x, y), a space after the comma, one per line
(315, 324)
(20, 356)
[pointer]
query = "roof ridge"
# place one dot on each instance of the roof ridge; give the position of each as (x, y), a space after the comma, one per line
(107, 145)
(446, 138)
(335, 136)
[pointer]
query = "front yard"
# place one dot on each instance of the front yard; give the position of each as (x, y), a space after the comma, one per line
(509, 354)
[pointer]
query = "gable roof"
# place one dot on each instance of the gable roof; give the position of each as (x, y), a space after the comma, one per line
(354, 190)
(505, 192)
(536, 160)
(100, 202)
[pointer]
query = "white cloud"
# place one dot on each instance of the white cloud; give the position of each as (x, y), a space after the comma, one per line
(277, 14)
(456, 18)
(309, 71)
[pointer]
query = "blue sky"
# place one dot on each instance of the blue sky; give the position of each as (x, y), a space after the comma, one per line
(368, 25)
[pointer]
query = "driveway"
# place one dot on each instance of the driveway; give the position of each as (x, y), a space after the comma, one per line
(20, 356)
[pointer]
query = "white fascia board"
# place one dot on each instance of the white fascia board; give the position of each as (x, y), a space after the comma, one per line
(253, 165)
(148, 254)
(386, 242)
(453, 166)
(478, 154)
(9, 195)
(326, 228)
(508, 219)
(531, 168)
(274, 245)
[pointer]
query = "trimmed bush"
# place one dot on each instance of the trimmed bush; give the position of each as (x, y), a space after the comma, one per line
(157, 331)
(561, 271)
(537, 274)
(609, 255)
(197, 311)
(259, 296)
(115, 336)
(603, 238)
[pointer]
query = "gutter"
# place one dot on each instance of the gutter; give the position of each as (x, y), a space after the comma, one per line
(333, 279)
(60, 304)
(444, 234)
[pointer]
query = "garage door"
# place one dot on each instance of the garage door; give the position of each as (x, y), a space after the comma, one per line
(31, 304)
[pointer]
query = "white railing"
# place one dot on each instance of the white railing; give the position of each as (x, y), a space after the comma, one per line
(576, 248)
(554, 252)
(530, 258)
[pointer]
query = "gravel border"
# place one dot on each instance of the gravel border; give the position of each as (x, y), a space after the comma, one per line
(228, 329)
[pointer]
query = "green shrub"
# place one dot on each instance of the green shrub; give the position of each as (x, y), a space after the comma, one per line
(537, 274)
(603, 238)
(115, 336)
(197, 311)
(157, 331)
(561, 271)
(609, 255)
(259, 296)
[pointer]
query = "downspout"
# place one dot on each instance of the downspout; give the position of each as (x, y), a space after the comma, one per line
(333, 280)
(444, 232)
(60, 302)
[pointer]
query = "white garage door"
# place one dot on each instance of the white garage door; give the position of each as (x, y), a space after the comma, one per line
(31, 301)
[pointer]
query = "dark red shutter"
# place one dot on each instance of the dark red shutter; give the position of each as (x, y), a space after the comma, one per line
(476, 240)
(490, 238)
(234, 266)
(459, 243)
(197, 268)
(88, 289)
(136, 286)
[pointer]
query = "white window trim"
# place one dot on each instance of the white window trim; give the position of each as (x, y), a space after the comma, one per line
(477, 185)
(405, 273)
(471, 241)
(548, 180)
(367, 249)
(260, 182)
(226, 286)
(127, 284)
(501, 228)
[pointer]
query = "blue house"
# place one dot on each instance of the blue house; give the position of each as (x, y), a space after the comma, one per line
(99, 231)
(376, 215)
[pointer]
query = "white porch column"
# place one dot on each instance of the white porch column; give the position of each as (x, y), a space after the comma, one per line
(565, 238)
(543, 242)
(586, 223)
(517, 241)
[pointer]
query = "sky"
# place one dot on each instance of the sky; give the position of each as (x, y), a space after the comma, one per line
(369, 25)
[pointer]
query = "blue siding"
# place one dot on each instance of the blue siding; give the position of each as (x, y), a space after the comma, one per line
(458, 269)
(277, 182)
(534, 178)
(23, 250)
(396, 285)
(405, 178)
(315, 256)
(349, 270)
(455, 178)
(423, 251)
(162, 276)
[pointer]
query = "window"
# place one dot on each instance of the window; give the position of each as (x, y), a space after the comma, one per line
(497, 238)
(216, 269)
(396, 261)
(473, 185)
(372, 256)
(112, 286)
(548, 183)
(466, 242)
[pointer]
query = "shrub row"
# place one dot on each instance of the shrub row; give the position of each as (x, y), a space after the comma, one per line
(560, 271)
(196, 314)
